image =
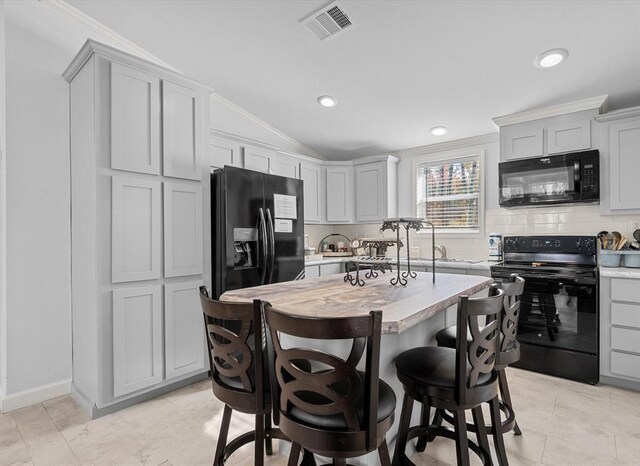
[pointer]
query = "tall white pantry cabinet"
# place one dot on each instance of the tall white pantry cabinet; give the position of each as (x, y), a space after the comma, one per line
(139, 224)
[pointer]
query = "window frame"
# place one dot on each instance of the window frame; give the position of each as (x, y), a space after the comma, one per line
(447, 158)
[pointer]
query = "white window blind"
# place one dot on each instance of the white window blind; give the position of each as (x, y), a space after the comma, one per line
(448, 193)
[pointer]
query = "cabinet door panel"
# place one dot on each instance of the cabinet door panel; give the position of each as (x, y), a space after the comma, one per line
(312, 271)
(183, 328)
(311, 175)
(625, 165)
(135, 229)
(523, 143)
(569, 137)
(182, 229)
(339, 194)
(258, 159)
(223, 153)
(625, 339)
(330, 269)
(181, 125)
(370, 192)
(623, 289)
(135, 120)
(137, 339)
(287, 166)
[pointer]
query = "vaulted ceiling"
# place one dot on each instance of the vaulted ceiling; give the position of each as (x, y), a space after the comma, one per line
(405, 67)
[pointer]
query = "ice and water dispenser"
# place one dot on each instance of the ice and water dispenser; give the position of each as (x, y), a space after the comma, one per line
(245, 248)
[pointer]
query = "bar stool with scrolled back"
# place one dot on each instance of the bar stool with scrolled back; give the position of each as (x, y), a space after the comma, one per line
(330, 408)
(238, 375)
(457, 380)
(509, 353)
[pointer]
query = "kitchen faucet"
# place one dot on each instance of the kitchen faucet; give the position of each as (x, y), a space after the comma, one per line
(442, 250)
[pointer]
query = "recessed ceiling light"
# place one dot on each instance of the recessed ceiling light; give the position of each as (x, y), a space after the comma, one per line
(439, 130)
(327, 101)
(551, 58)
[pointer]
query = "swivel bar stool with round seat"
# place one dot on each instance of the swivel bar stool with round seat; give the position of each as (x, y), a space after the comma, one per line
(457, 380)
(327, 406)
(509, 352)
(238, 374)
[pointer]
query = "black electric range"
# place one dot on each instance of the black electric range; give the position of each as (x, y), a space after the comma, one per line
(558, 329)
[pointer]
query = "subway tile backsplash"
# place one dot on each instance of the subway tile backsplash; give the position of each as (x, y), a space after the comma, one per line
(580, 220)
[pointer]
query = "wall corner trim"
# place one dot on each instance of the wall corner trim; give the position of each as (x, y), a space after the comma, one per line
(34, 395)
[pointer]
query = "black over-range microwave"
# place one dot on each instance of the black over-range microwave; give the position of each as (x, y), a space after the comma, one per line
(553, 180)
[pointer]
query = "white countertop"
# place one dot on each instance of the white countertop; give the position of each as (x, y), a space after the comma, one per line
(619, 272)
(483, 265)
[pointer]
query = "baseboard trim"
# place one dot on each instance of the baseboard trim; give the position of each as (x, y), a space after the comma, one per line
(94, 412)
(622, 383)
(34, 395)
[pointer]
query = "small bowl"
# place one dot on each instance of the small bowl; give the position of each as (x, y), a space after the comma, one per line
(610, 258)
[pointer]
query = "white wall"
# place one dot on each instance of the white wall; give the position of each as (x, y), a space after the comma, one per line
(229, 118)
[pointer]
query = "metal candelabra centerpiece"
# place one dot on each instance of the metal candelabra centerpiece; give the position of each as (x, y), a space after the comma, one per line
(409, 223)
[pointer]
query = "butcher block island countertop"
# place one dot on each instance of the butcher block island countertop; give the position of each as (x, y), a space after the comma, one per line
(402, 307)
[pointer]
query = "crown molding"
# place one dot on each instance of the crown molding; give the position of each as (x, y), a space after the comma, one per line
(619, 114)
(376, 158)
(448, 145)
(599, 103)
(257, 121)
(92, 47)
(100, 28)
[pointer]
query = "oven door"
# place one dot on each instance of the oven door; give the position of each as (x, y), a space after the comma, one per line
(557, 312)
(543, 181)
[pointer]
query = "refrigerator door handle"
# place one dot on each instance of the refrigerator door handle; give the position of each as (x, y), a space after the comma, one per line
(263, 245)
(272, 245)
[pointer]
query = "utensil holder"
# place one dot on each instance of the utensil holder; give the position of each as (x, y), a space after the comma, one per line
(610, 258)
(632, 259)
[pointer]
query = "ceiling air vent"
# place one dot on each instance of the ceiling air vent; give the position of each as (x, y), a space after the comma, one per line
(328, 22)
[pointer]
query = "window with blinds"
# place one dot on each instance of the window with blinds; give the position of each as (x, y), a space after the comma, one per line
(448, 194)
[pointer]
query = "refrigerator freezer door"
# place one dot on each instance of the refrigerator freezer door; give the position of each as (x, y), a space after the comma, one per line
(237, 199)
(287, 254)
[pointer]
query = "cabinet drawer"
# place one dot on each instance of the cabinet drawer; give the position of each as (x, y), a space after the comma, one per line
(625, 339)
(625, 290)
(625, 364)
(625, 314)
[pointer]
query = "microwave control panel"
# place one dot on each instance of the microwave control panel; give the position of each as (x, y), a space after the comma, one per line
(589, 178)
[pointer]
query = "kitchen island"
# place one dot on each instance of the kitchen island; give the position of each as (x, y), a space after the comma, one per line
(411, 315)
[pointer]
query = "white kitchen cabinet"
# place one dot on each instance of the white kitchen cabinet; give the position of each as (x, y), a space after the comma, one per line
(135, 213)
(135, 120)
(259, 159)
(624, 159)
(547, 131)
(118, 343)
(311, 175)
(182, 124)
(339, 193)
(137, 339)
(376, 188)
(568, 136)
(311, 271)
(620, 331)
(288, 166)
(330, 269)
(183, 329)
(523, 142)
(182, 229)
(224, 152)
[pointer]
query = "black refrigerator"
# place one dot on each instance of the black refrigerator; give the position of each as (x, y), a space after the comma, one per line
(257, 228)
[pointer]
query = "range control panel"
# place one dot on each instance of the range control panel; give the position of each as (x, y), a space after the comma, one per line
(554, 244)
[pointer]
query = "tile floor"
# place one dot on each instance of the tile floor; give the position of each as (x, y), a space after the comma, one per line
(563, 422)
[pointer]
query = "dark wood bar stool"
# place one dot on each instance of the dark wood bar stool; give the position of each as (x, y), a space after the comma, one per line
(457, 380)
(239, 377)
(509, 352)
(326, 406)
